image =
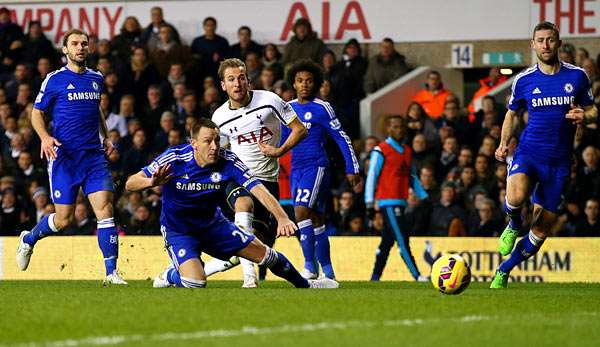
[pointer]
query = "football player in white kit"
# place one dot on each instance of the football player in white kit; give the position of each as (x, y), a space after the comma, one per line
(250, 121)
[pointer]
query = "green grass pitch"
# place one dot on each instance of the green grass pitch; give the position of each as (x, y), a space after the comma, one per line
(82, 313)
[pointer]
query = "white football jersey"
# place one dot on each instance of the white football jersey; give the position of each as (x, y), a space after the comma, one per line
(259, 121)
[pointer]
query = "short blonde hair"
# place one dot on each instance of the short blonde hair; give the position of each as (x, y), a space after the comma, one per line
(231, 62)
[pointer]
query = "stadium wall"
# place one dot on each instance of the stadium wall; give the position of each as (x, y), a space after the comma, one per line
(142, 257)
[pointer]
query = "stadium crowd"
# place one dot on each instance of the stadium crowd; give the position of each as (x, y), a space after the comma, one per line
(156, 86)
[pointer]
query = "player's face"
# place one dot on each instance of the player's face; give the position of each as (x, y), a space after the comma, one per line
(396, 130)
(206, 145)
(546, 44)
(77, 49)
(235, 83)
(304, 84)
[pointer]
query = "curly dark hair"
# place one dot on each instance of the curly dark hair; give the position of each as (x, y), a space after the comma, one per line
(310, 67)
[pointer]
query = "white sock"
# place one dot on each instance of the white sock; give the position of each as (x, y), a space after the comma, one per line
(248, 268)
(217, 265)
(244, 220)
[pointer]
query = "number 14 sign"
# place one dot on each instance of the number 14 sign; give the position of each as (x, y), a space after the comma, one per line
(462, 55)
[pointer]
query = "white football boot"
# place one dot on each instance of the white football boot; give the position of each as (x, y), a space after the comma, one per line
(323, 283)
(114, 278)
(24, 252)
(161, 281)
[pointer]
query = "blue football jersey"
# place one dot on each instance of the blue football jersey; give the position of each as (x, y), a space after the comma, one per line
(320, 120)
(73, 100)
(190, 200)
(548, 137)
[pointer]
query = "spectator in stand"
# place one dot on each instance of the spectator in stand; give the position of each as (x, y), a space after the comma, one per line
(433, 96)
(161, 139)
(210, 48)
(132, 127)
(284, 90)
(143, 222)
(272, 58)
(590, 69)
(118, 120)
(267, 78)
(385, 67)
(175, 137)
(113, 88)
(485, 178)
(190, 108)
(11, 35)
(303, 45)
(344, 209)
(427, 178)
(421, 157)
(588, 176)
(210, 101)
(176, 75)
(168, 51)
(139, 75)
(44, 67)
(486, 85)
(36, 45)
(27, 171)
(465, 157)
(245, 44)
(22, 74)
(420, 123)
(328, 60)
(103, 50)
(39, 208)
(83, 224)
(466, 186)
(150, 35)
(453, 118)
(447, 217)
(137, 156)
(325, 91)
(448, 158)
(11, 214)
(566, 53)
(581, 54)
(347, 80)
(130, 36)
(152, 110)
(253, 69)
(486, 224)
(179, 90)
(590, 225)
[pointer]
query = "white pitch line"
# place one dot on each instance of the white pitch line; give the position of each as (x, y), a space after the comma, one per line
(246, 330)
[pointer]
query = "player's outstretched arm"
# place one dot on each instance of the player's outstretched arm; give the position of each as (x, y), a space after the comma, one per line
(48, 142)
(140, 181)
(507, 129)
(285, 227)
(298, 132)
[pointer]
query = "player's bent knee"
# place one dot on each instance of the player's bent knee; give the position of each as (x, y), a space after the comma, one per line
(192, 282)
(244, 204)
(270, 257)
(255, 251)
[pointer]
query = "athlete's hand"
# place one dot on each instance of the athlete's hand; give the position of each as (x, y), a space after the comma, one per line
(576, 114)
(108, 147)
(356, 182)
(47, 147)
(501, 153)
(269, 151)
(161, 175)
(285, 227)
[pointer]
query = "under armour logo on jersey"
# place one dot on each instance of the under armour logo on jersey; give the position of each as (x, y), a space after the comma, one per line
(537, 91)
(70, 86)
(185, 177)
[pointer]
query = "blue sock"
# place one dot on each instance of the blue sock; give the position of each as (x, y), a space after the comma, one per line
(44, 228)
(514, 213)
(525, 248)
(322, 250)
(307, 242)
(174, 278)
(108, 240)
(281, 266)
